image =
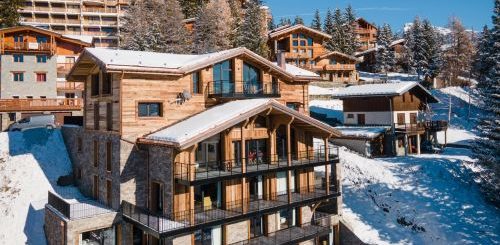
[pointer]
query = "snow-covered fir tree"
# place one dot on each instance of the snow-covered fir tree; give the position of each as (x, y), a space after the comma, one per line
(237, 20)
(253, 31)
(284, 22)
(433, 52)
(213, 27)
(316, 22)
(350, 33)
(9, 16)
(385, 58)
(482, 61)
(298, 20)
(487, 148)
(334, 26)
(155, 25)
(457, 58)
(190, 8)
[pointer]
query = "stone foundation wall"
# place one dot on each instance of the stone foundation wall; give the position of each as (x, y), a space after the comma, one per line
(161, 171)
(76, 227)
(55, 227)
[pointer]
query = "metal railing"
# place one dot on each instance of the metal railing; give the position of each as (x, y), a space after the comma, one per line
(82, 209)
(245, 89)
(409, 127)
(201, 215)
(40, 104)
(436, 125)
(254, 163)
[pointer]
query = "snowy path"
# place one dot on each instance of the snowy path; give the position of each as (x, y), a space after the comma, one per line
(427, 199)
(30, 163)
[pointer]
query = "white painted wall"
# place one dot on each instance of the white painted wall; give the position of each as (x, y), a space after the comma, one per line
(281, 183)
(216, 235)
(377, 117)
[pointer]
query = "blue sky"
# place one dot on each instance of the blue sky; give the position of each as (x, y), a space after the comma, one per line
(473, 13)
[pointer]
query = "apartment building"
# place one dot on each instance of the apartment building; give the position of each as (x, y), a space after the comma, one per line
(366, 34)
(95, 18)
(388, 119)
(197, 149)
(33, 68)
(302, 46)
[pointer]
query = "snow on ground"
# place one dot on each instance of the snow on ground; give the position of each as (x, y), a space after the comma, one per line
(30, 163)
(426, 199)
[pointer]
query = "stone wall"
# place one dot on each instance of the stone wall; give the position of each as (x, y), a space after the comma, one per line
(76, 227)
(55, 227)
(160, 171)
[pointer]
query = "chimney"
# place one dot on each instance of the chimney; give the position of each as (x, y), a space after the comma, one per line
(280, 59)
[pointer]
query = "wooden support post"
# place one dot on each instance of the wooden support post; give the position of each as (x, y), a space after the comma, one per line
(406, 144)
(192, 160)
(418, 144)
(289, 162)
(327, 166)
(243, 166)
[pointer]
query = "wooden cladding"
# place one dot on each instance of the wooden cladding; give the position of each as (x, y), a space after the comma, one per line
(96, 116)
(405, 102)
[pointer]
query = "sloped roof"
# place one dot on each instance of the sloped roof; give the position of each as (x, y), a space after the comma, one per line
(366, 132)
(46, 32)
(297, 71)
(178, 64)
(216, 119)
(287, 29)
(329, 54)
(366, 22)
(382, 89)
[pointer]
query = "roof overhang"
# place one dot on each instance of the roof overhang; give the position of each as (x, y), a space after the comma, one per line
(270, 107)
(285, 31)
(43, 31)
(417, 88)
(333, 53)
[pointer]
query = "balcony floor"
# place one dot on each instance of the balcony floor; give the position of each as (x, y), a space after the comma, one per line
(288, 235)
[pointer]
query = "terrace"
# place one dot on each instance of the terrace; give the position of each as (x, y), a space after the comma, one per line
(73, 104)
(246, 89)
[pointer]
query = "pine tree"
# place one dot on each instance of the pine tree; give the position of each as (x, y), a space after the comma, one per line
(352, 43)
(385, 58)
(458, 56)
(298, 20)
(8, 13)
(284, 22)
(487, 148)
(236, 21)
(336, 30)
(271, 25)
(253, 31)
(154, 25)
(482, 61)
(190, 8)
(432, 52)
(316, 22)
(213, 27)
(419, 47)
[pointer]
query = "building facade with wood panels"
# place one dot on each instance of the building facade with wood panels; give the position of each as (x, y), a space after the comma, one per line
(366, 34)
(34, 63)
(302, 46)
(204, 149)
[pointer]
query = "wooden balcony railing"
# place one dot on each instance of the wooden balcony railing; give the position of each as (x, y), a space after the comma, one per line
(297, 56)
(339, 67)
(41, 104)
(65, 86)
(27, 46)
(64, 67)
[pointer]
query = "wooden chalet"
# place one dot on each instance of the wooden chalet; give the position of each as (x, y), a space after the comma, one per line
(366, 34)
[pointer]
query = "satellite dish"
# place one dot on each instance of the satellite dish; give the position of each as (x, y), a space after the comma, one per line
(186, 95)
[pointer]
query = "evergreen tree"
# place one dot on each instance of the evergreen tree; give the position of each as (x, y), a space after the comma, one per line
(253, 31)
(419, 47)
(328, 24)
(284, 22)
(457, 58)
(352, 43)
(385, 58)
(298, 20)
(8, 13)
(213, 27)
(432, 52)
(236, 21)
(316, 22)
(487, 148)
(154, 25)
(271, 25)
(336, 30)
(190, 8)
(482, 61)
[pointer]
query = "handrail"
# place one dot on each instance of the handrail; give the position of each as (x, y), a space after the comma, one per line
(40, 104)
(27, 46)
(228, 88)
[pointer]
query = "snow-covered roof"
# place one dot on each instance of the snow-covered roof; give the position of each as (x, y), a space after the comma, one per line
(339, 54)
(181, 64)
(216, 119)
(361, 132)
(297, 71)
(399, 41)
(38, 29)
(381, 89)
(83, 38)
(287, 29)
(370, 50)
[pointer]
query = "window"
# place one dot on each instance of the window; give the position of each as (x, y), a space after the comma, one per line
(195, 77)
(333, 62)
(94, 85)
(109, 154)
(411, 97)
(41, 39)
(109, 116)
(106, 84)
(108, 192)
(79, 144)
(309, 41)
(251, 79)
(18, 76)
(41, 58)
(18, 38)
(69, 95)
(293, 105)
(43, 97)
(361, 119)
(223, 77)
(95, 189)
(260, 122)
(41, 77)
(18, 58)
(295, 43)
(302, 42)
(96, 153)
(147, 109)
(350, 115)
(12, 116)
(30, 97)
(96, 116)
(413, 118)
(404, 99)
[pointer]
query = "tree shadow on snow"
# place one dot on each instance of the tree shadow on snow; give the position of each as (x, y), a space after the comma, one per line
(33, 226)
(436, 201)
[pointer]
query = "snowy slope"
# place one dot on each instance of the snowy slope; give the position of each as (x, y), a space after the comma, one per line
(30, 163)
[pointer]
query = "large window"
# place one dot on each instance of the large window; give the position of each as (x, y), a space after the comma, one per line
(18, 58)
(251, 77)
(41, 39)
(94, 83)
(256, 151)
(106, 84)
(150, 109)
(223, 77)
(18, 38)
(196, 89)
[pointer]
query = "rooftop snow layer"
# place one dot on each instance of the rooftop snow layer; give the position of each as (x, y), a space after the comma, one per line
(150, 59)
(83, 38)
(378, 89)
(206, 120)
(297, 71)
(365, 132)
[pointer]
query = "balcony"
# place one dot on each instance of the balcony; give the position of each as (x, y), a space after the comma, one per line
(339, 67)
(64, 67)
(292, 55)
(7, 105)
(435, 126)
(70, 86)
(190, 174)
(191, 220)
(80, 209)
(242, 90)
(27, 46)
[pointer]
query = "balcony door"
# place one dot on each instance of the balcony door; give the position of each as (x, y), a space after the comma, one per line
(223, 82)
(207, 156)
(256, 152)
(251, 77)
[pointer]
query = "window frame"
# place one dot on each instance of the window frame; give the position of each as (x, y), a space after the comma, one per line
(19, 78)
(195, 83)
(42, 74)
(149, 102)
(39, 60)
(18, 58)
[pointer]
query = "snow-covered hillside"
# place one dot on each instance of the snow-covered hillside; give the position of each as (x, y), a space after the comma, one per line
(426, 199)
(30, 163)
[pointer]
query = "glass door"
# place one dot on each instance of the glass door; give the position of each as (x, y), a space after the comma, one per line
(251, 77)
(223, 78)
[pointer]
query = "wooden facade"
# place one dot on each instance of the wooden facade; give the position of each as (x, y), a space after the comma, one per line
(366, 33)
(303, 47)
